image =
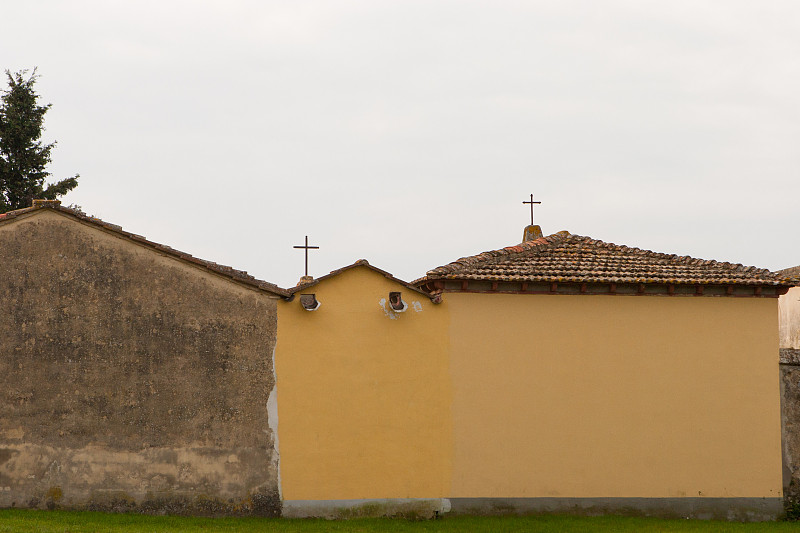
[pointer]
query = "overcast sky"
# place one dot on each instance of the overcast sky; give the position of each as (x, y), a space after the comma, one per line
(409, 133)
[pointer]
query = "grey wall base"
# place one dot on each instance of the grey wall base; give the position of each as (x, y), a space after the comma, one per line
(735, 509)
(738, 509)
(399, 507)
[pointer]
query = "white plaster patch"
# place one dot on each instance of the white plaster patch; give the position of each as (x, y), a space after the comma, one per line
(416, 306)
(387, 310)
(272, 420)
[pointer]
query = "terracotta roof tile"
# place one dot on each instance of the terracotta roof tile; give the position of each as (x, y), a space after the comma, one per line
(236, 275)
(791, 273)
(564, 257)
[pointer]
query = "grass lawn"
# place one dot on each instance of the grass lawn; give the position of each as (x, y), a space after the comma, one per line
(13, 520)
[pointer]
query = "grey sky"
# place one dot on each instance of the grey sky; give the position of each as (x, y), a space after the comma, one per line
(408, 133)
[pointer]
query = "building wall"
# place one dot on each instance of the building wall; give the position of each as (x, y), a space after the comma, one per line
(129, 379)
(363, 393)
(531, 403)
(558, 396)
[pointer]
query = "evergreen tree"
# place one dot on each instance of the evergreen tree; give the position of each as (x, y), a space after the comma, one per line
(23, 157)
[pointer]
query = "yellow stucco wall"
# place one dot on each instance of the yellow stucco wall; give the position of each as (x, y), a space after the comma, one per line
(496, 395)
(614, 396)
(363, 393)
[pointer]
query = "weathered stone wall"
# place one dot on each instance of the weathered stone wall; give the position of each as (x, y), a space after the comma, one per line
(130, 380)
(790, 424)
(789, 316)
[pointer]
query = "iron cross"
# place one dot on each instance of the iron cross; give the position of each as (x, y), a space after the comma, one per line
(307, 248)
(531, 202)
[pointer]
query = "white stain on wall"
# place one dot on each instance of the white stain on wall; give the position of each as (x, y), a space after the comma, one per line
(272, 422)
(388, 311)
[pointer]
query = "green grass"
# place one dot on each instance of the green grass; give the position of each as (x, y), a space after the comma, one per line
(13, 520)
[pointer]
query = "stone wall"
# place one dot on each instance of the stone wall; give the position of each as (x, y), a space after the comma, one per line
(789, 312)
(129, 379)
(790, 425)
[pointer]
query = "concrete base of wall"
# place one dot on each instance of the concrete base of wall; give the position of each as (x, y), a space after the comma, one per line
(398, 507)
(734, 509)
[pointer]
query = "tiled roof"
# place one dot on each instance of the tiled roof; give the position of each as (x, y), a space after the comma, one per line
(564, 257)
(792, 273)
(226, 271)
(360, 263)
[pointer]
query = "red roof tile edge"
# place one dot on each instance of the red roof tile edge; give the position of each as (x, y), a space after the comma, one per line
(226, 271)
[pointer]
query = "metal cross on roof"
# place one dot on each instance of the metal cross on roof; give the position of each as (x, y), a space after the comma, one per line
(307, 248)
(531, 202)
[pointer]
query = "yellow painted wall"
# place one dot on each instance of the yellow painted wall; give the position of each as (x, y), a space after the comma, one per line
(614, 396)
(363, 393)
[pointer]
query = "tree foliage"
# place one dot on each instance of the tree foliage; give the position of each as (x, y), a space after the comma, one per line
(23, 156)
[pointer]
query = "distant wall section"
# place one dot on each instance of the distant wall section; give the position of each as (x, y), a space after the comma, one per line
(789, 309)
